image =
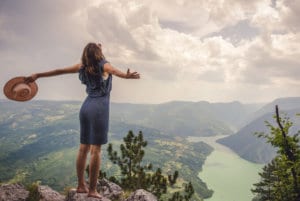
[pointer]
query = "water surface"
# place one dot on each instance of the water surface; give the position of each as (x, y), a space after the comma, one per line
(230, 176)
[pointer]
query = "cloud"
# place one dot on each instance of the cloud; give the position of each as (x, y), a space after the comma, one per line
(289, 10)
(237, 33)
(277, 59)
(185, 50)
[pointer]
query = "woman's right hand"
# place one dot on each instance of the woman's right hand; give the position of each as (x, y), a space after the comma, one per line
(31, 78)
(134, 75)
(114, 71)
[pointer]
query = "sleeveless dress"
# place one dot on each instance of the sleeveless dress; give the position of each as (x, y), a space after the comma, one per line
(94, 112)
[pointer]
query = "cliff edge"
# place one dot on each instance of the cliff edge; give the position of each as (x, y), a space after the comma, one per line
(109, 191)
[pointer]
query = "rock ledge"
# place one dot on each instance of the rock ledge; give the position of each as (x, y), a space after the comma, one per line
(109, 191)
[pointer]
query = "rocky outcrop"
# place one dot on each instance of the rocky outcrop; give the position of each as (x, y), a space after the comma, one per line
(73, 196)
(13, 192)
(141, 195)
(47, 194)
(109, 191)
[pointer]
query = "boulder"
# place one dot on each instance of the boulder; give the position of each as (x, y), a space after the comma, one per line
(74, 196)
(13, 192)
(47, 194)
(109, 190)
(141, 195)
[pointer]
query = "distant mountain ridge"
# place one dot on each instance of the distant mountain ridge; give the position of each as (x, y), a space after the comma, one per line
(257, 150)
(288, 103)
(186, 118)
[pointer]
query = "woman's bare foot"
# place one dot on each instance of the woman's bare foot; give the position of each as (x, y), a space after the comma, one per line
(94, 195)
(82, 189)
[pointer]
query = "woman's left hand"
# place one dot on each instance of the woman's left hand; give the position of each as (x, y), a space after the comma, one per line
(31, 78)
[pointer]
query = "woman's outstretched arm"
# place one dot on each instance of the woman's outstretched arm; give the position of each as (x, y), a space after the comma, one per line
(71, 69)
(114, 71)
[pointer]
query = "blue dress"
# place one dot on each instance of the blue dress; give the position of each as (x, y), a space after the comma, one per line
(94, 112)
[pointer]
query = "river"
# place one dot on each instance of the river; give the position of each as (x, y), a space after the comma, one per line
(230, 176)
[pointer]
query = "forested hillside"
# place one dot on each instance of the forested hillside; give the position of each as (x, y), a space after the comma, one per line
(39, 141)
(257, 150)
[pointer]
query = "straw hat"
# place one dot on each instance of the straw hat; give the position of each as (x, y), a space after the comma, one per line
(16, 89)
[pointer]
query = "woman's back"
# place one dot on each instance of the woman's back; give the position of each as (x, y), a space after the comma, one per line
(96, 85)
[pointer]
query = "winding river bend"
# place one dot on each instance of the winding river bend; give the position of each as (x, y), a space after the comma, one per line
(230, 176)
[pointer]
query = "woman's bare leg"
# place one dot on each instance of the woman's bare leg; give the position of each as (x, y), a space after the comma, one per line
(94, 170)
(80, 167)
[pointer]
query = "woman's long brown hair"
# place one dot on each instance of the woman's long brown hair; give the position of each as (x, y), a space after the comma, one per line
(91, 56)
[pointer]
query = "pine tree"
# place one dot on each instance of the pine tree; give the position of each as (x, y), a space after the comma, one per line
(188, 191)
(281, 178)
(183, 196)
(264, 188)
(130, 161)
(172, 178)
(176, 197)
(158, 183)
(135, 174)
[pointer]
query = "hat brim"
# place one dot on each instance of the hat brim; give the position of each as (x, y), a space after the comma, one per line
(8, 89)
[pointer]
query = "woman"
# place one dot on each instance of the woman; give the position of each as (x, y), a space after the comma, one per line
(96, 73)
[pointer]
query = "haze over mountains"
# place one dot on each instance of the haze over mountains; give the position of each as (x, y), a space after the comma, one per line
(238, 120)
(254, 149)
(186, 118)
(180, 118)
(39, 139)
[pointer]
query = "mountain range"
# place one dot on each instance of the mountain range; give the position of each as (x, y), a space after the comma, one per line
(254, 149)
(238, 121)
(39, 139)
(186, 118)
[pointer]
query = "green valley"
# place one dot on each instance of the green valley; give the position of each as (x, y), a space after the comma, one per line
(39, 141)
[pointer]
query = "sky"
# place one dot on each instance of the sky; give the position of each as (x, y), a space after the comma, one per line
(187, 50)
